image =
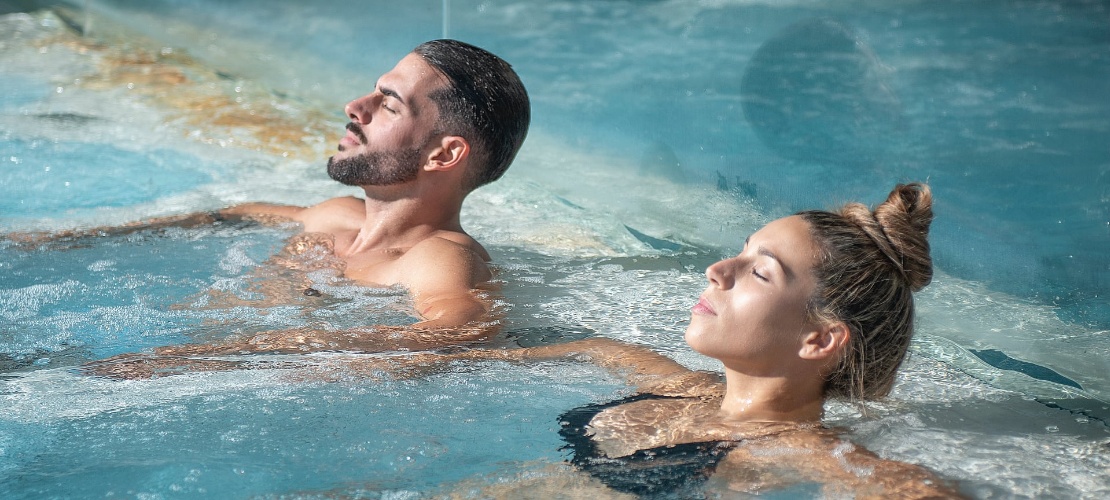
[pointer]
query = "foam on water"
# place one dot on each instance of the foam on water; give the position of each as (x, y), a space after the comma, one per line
(253, 432)
(48, 172)
(974, 317)
(937, 411)
(115, 295)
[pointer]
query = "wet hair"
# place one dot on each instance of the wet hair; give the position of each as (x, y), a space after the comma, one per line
(484, 102)
(869, 265)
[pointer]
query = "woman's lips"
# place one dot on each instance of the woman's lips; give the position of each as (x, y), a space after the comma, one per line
(703, 307)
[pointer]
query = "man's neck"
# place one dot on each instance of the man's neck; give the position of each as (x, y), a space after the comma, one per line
(401, 220)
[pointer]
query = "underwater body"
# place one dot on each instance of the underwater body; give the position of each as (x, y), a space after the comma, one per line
(663, 133)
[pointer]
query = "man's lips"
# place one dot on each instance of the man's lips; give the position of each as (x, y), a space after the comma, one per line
(703, 307)
(354, 136)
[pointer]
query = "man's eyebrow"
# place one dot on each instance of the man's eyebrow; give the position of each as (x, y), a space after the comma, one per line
(391, 93)
(414, 110)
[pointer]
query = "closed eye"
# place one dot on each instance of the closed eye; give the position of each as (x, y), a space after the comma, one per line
(757, 275)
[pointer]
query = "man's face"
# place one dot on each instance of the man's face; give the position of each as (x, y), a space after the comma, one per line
(391, 128)
(376, 168)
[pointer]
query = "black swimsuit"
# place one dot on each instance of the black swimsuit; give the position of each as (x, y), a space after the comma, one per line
(676, 471)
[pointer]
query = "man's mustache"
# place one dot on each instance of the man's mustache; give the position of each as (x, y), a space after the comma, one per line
(355, 129)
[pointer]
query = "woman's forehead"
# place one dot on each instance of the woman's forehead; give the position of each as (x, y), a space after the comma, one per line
(790, 239)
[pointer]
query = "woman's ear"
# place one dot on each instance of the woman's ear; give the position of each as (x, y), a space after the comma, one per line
(451, 152)
(826, 341)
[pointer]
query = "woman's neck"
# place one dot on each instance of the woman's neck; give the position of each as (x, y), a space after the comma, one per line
(771, 399)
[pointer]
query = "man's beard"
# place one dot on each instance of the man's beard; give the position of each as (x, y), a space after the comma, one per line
(376, 168)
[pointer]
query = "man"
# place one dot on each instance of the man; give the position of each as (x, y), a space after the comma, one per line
(448, 118)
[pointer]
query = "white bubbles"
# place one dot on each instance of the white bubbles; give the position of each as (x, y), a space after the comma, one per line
(102, 266)
(61, 393)
(26, 302)
(971, 316)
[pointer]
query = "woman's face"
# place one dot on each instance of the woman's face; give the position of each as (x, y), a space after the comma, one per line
(753, 313)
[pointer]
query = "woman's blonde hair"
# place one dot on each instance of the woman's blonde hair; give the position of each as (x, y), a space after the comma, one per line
(870, 264)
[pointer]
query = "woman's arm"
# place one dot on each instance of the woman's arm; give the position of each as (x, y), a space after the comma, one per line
(641, 367)
(820, 456)
(647, 370)
(366, 340)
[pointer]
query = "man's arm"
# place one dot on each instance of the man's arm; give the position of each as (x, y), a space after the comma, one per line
(35, 238)
(443, 276)
(265, 212)
(444, 279)
(258, 212)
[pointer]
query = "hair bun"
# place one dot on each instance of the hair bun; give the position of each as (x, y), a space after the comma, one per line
(900, 228)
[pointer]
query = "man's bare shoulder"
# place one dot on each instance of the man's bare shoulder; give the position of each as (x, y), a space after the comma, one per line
(442, 272)
(447, 244)
(341, 203)
(334, 214)
(447, 259)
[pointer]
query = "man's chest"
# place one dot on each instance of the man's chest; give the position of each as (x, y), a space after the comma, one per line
(375, 268)
(315, 250)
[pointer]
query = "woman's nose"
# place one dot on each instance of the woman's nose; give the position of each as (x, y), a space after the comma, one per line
(720, 274)
(358, 110)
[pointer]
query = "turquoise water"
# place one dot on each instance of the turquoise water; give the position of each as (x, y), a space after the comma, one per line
(663, 133)
(45, 173)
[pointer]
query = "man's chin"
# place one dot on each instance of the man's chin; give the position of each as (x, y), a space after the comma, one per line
(336, 175)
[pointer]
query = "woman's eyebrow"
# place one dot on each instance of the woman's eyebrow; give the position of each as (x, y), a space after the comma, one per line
(766, 252)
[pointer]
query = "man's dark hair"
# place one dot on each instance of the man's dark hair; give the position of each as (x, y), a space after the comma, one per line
(485, 102)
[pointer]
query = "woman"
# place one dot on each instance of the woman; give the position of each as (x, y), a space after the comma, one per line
(818, 305)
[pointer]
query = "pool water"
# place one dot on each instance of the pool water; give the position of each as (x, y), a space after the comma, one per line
(664, 132)
(129, 178)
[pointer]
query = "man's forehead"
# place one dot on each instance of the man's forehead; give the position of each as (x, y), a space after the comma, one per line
(412, 77)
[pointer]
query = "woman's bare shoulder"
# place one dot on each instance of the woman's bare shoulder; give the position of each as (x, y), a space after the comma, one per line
(819, 455)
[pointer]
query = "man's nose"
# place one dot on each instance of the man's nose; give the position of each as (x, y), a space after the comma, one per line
(358, 110)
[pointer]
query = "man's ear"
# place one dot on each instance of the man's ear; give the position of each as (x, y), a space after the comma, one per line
(825, 341)
(451, 152)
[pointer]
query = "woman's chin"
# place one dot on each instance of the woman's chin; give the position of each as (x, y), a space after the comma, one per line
(694, 339)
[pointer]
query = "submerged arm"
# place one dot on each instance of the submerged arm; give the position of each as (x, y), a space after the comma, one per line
(449, 285)
(444, 278)
(363, 340)
(183, 221)
(640, 366)
(819, 455)
(266, 213)
(257, 212)
(648, 371)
